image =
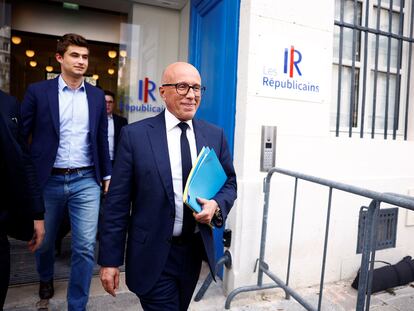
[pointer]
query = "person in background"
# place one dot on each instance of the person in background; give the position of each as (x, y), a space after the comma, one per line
(166, 241)
(115, 123)
(19, 191)
(66, 118)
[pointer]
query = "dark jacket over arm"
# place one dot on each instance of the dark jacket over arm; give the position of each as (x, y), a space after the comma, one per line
(18, 175)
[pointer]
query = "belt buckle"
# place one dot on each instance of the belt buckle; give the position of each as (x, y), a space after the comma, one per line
(67, 171)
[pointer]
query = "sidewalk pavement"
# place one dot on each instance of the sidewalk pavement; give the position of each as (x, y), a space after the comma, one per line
(337, 296)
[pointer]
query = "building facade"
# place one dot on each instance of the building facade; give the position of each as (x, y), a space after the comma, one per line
(334, 77)
(288, 76)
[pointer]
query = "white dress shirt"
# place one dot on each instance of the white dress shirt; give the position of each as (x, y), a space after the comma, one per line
(111, 136)
(174, 151)
(74, 143)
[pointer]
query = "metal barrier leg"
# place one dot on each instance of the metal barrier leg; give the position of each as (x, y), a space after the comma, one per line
(369, 245)
(203, 288)
(373, 249)
(246, 289)
(226, 260)
(260, 260)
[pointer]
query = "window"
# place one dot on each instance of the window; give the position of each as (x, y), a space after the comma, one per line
(6, 46)
(372, 68)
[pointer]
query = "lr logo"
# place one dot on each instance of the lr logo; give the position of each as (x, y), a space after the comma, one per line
(146, 88)
(292, 63)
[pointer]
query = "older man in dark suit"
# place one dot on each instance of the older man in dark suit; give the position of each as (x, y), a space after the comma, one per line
(20, 195)
(166, 242)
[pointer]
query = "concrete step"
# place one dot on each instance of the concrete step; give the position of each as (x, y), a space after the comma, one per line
(337, 296)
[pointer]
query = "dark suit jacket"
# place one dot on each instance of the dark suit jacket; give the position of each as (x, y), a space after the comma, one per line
(40, 115)
(142, 175)
(119, 122)
(20, 193)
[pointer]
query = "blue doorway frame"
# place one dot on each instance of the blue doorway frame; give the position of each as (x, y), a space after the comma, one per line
(213, 49)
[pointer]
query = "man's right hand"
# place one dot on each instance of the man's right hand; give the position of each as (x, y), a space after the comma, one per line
(110, 279)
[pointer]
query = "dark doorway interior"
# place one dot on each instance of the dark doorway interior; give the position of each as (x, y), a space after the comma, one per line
(23, 73)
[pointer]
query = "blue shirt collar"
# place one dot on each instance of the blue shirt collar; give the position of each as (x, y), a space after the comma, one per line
(63, 86)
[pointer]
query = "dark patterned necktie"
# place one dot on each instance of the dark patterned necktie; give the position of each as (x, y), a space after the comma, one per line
(186, 164)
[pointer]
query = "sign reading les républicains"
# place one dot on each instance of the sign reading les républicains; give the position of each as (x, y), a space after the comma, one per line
(146, 100)
(290, 68)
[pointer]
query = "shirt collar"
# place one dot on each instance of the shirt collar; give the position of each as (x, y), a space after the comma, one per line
(110, 116)
(171, 121)
(63, 86)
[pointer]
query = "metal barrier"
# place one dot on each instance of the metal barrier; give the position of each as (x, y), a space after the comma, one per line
(368, 253)
(224, 260)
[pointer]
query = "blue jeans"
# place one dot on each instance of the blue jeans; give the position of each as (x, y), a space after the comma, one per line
(80, 193)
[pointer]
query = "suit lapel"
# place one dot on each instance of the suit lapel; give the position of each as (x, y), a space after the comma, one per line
(159, 145)
(116, 126)
(91, 107)
(115, 129)
(53, 98)
(201, 140)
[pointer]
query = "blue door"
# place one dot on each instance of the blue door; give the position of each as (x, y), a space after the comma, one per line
(213, 45)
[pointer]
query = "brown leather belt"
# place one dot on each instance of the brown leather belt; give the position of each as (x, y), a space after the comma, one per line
(67, 171)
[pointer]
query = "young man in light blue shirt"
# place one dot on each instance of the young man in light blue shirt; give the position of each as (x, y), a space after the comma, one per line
(66, 118)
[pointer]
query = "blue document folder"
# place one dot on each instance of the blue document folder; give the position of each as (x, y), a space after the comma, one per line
(205, 179)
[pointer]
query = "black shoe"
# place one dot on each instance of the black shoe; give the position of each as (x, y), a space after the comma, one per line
(46, 290)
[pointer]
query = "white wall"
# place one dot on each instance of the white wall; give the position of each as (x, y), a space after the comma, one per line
(304, 144)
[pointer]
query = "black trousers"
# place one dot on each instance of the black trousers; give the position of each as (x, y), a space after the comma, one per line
(175, 287)
(4, 267)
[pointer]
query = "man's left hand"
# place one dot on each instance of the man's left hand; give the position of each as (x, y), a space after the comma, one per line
(208, 209)
(38, 235)
(105, 185)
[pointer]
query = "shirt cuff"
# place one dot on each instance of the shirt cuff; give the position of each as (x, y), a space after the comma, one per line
(107, 177)
(38, 216)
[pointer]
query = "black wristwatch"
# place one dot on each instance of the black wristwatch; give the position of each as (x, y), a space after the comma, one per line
(218, 218)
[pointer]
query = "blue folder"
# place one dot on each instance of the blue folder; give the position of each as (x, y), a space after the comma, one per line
(205, 179)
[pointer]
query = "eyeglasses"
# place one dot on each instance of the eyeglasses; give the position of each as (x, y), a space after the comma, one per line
(183, 88)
